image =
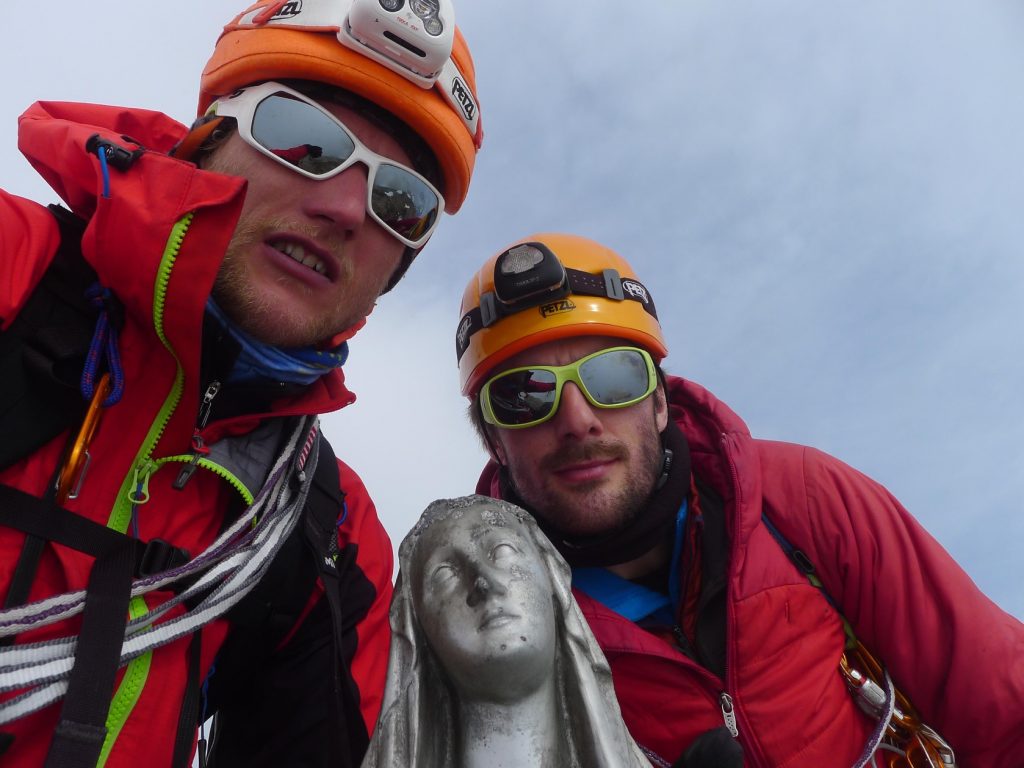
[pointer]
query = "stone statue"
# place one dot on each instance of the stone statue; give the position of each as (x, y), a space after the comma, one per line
(492, 663)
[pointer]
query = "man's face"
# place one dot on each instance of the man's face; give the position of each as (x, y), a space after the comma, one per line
(306, 261)
(586, 470)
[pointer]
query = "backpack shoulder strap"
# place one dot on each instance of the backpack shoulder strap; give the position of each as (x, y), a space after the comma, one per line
(43, 351)
(806, 567)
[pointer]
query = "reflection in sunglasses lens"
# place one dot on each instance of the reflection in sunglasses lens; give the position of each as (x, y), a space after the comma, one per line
(522, 396)
(300, 134)
(615, 377)
(403, 202)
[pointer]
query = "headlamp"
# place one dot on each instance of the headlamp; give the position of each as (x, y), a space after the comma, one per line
(526, 275)
(417, 37)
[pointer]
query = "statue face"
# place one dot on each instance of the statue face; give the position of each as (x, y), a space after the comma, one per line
(484, 601)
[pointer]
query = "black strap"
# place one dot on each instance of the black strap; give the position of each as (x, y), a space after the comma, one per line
(48, 522)
(709, 631)
(80, 733)
(41, 358)
(28, 559)
(321, 533)
(188, 717)
(605, 284)
(44, 348)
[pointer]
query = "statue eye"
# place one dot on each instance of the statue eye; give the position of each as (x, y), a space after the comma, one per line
(443, 573)
(503, 550)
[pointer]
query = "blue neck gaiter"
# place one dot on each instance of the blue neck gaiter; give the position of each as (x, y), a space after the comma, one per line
(259, 361)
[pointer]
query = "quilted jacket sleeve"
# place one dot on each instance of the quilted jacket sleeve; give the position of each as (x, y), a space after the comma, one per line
(951, 650)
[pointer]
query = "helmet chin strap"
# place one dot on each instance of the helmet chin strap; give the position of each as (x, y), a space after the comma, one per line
(666, 467)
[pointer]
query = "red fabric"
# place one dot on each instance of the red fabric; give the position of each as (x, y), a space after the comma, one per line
(124, 242)
(958, 657)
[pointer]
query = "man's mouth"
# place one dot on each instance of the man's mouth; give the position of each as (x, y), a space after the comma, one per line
(569, 458)
(298, 253)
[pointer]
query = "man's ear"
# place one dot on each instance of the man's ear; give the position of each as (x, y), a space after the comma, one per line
(660, 407)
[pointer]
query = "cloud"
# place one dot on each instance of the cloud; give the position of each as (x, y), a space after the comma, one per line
(825, 200)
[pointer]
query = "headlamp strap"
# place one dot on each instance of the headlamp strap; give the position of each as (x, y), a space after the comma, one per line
(460, 96)
(606, 284)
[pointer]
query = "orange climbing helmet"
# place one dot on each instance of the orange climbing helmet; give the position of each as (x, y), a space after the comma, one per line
(407, 56)
(548, 287)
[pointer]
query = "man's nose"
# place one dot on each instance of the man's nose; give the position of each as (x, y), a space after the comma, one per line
(576, 417)
(341, 199)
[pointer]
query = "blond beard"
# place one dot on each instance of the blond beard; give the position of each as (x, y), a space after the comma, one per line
(234, 292)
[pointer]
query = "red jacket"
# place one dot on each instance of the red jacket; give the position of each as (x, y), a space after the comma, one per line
(956, 655)
(157, 241)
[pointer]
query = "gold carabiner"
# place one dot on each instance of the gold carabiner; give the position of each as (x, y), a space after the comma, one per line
(910, 742)
(77, 463)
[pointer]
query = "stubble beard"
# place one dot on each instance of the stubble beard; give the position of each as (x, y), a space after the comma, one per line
(270, 322)
(592, 508)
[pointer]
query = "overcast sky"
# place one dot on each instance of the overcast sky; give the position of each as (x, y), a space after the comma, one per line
(827, 202)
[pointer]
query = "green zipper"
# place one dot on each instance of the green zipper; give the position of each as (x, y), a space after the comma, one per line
(137, 671)
(230, 477)
(128, 692)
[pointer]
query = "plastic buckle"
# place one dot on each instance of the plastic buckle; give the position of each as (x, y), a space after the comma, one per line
(159, 556)
(116, 155)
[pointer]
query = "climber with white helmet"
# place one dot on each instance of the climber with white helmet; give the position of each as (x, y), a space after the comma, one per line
(181, 540)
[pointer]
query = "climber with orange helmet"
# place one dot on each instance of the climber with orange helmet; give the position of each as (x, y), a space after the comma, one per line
(181, 541)
(759, 603)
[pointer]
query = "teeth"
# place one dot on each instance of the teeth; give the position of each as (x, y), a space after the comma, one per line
(297, 252)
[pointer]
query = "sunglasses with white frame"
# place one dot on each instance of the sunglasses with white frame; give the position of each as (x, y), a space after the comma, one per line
(292, 129)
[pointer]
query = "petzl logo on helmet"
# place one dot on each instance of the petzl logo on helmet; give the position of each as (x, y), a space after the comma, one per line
(463, 97)
(636, 290)
(289, 10)
(557, 307)
(462, 335)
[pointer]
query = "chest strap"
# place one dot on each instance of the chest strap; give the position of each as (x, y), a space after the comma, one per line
(34, 516)
(81, 730)
(221, 576)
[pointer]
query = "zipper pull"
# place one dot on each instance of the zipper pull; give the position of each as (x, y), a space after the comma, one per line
(682, 643)
(140, 495)
(729, 714)
(186, 473)
(199, 448)
(207, 405)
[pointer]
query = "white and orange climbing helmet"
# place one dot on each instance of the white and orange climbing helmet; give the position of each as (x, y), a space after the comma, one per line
(406, 56)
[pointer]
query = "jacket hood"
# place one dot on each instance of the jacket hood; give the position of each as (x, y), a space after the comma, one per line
(136, 213)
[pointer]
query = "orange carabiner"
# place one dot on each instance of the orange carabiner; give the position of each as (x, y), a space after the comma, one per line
(73, 472)
(909, 743)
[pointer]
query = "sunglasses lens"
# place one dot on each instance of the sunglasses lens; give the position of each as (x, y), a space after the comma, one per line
(402, 202)
(616, 377)
(522, 397)
(300, 134)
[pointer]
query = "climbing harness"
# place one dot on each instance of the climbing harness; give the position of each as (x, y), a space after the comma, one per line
(220, 577)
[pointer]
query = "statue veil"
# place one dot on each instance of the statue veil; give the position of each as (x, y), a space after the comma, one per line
(416, 727)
